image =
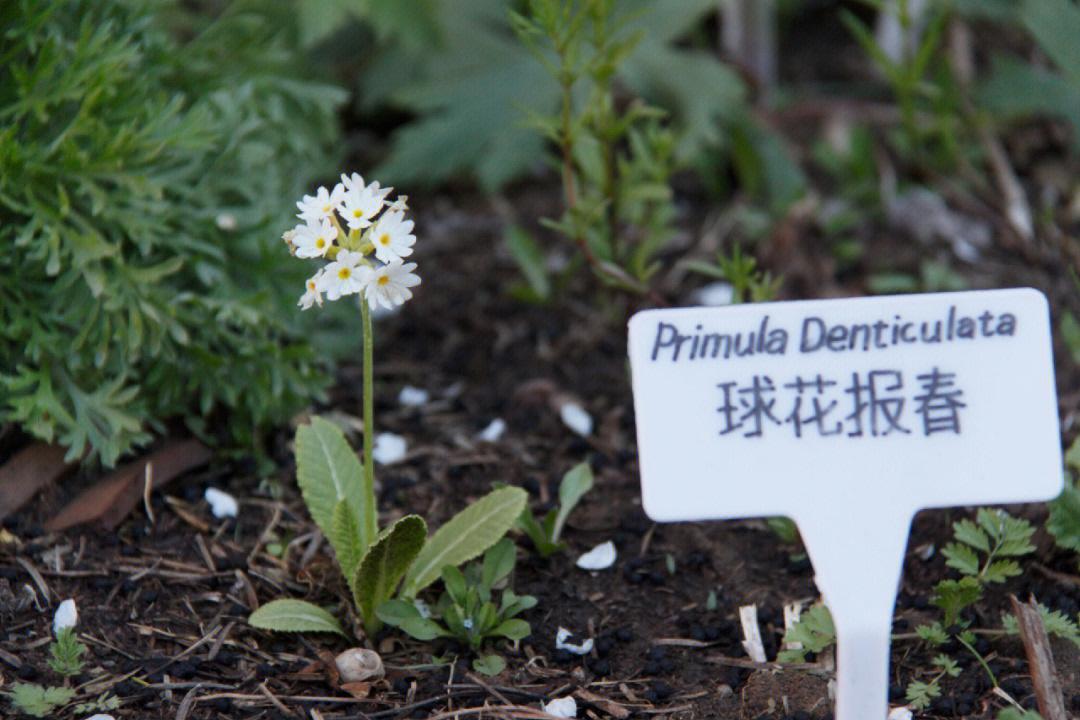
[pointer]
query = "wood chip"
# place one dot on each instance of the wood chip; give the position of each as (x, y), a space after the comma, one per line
(30, 470)
(1043, 673)
(607, 705)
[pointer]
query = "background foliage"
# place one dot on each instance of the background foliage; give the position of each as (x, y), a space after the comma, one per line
(149, 158)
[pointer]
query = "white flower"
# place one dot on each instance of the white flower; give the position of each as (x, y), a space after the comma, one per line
(222, 504)
(344, 276)
(361, 204)
(67, 615)
(392, 237)
(389, 285)
(467, 623)
(399, 205)
(562, 707)
(314, 239)
(600, 557)
(321, 205)
(311, 296)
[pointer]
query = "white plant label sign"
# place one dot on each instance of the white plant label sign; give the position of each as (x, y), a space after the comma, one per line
(848, 416)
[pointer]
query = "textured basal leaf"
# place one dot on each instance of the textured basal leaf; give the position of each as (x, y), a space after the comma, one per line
(385, 563)
(466, 535)
(295, 616)
(346, 538)
(327, 471)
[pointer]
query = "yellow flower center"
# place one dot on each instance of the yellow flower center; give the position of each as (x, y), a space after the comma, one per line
(384, 239)
(383, 280)
(358, 213)
(344, 273)
(320, 243)
(326, 208)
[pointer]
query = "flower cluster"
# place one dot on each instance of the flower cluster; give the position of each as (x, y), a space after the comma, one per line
(365, 239)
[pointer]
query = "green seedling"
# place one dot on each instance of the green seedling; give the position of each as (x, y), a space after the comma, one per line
(814, 632)
(65, 658)
(750, 283)
(65, 654)
(467, 611)
(920, 694)
(1064, 520)
(546, 535)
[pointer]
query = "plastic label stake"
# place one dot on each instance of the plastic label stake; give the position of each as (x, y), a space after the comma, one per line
(847, 416)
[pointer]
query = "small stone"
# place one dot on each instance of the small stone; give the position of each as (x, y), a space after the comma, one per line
(388, 448)
(222, 504)
(900, 713)
(358, 665)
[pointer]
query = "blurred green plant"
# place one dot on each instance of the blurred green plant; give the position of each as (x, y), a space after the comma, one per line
(471, 85)
(1064, 520)
(546, 536)
(924, 90)
(1017, 89)
(147, 153)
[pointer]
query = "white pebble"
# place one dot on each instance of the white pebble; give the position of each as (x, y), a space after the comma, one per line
(101, 716)
(222, 504)
(412, 396)
(581, 649)
(721, 293)
(599, 558)
(900, 713)
(493, 431)
(389, 448)
(67, 615)
(575, 418)
(226, 222)
(562, 707)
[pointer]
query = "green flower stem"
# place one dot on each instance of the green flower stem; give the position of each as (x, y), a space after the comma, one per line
(371, 518)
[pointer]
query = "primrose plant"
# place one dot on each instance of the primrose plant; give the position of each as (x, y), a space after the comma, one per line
(361, 241)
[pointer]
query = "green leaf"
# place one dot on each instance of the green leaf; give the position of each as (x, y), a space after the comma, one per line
(422, 628)
(455, 584)
(39, 701)
(1000, 571)
(1055, 24)
(513, 629)
(966, 531)
(815, 630)
(489, 665)
(328, 471)
(395, 612)
(933, 633)
(345, 538)
(954, 595)
(464, 536)
(385, 563)
(961, 557)
(294, 616)
(919, 694)
(498, 562)
(1064, 520)
(530, 261)
(574, 485)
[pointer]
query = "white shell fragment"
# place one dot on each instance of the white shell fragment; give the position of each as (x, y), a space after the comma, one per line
(493, 431)
(900, 713)
(575, 418)
(358, 665)
(67, 615)
(222, 504)
(599, 558)
(581, 649)
(412, 396)
(562, 707)
(716, 294)
(388, 448)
